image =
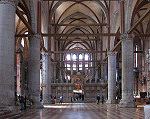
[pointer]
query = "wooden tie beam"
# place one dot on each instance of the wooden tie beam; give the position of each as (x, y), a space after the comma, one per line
(80, 61)
(78, 0)
(81, 35)
(102, 24)
(78, 67)
(76, 51)
(78, 39)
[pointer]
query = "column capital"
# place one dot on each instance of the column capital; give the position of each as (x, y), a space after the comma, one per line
(38, 36)
(120, 1)
(44, 54)
(11, 2)
(126, 36)
(110, 53)
(40, 0)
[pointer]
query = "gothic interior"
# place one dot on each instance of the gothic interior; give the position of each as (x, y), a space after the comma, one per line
(76, 49)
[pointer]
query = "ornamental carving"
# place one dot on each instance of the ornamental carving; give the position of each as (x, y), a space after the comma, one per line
(126, 36)
(112, 53)
(35, 36)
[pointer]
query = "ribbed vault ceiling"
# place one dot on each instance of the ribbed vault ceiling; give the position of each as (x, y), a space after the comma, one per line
(87, 12)
(68, 15)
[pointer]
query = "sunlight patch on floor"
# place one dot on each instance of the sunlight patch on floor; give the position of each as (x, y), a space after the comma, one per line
(55, 106)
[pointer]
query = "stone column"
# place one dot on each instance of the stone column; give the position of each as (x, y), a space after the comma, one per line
(44, 75)
(7, 43)
(96, 75)
(111, 77)
(104, 72)
(127, 72)
(47, 81)
(34, 70)
(54, 68)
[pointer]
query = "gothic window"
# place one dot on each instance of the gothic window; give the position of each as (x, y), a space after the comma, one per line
(80, 57)
(86, 57)
(74, 57)
(68, 57)
(22, 42)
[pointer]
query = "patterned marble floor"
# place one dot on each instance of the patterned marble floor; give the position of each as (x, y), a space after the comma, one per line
(84, 111)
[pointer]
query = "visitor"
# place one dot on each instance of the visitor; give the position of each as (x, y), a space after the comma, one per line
(74, 99)
(97, 99)
(25, 99)
(77, 97)
(55, 99)
(22, 102)
(71, 99)
(61, 99)
(82, 97)
(41, 99)
(102, 99)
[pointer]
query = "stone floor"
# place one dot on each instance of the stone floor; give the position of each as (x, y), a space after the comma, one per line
(83, 111)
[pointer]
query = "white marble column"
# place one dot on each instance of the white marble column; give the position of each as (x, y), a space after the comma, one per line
(54, 66)
(127, 72)
(7, 43)
(104, 72)
(44, 74)
(96, 75)
(34, 70)
(111, 77)
(47, 81)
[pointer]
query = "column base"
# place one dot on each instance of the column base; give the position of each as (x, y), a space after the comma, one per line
(47, 103)
(111, 102)
(11, 108)
(124, 104)
(37, 106)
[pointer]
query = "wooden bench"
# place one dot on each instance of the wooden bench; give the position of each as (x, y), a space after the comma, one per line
(141, 101)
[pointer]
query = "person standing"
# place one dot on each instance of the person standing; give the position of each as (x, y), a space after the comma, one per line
(22, 100)
(61, 99)
(71, 99)
(102, 99)
(82, 97)
(98, 99)
(55, 99)
(25, 99)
